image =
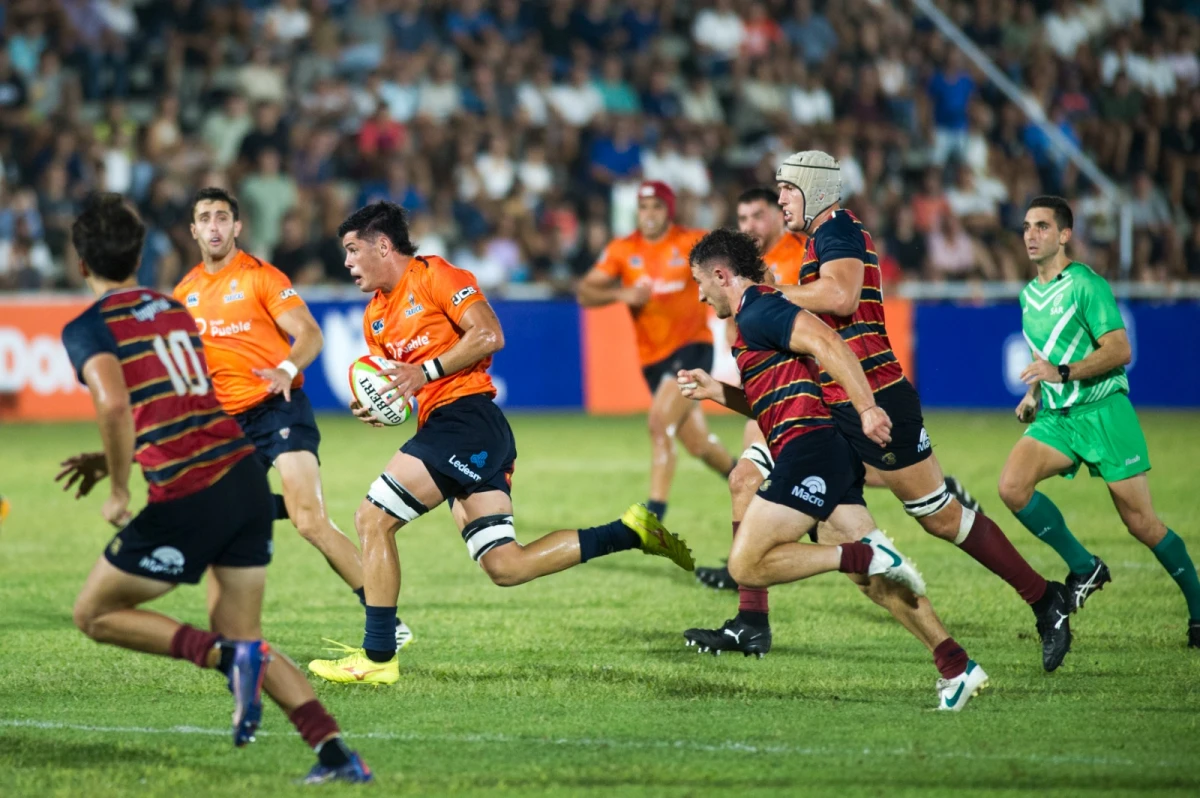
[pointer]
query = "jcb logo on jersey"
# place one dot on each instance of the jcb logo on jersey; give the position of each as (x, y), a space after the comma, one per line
(287, 293)
(462, 295)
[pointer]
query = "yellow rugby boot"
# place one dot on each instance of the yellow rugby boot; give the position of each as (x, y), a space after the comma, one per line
(655, 539)
(356, 667)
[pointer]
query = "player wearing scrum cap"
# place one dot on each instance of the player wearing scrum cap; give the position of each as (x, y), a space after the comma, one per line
(648, 271)
(840, 282)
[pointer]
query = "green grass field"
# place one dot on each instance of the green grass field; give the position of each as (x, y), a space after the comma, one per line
(581, 684)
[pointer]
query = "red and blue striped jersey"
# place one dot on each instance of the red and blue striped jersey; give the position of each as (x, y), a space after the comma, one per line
(842, 236)
(783, 388)
(185, 441)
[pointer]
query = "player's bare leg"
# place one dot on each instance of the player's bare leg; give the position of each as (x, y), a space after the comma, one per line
(922, 489)
(668, 410)
(301, 477)
(106, 610)
(875, 479)
(702, 444)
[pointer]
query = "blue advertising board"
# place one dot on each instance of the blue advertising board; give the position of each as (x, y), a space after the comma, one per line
(540, 366)
(972, 357)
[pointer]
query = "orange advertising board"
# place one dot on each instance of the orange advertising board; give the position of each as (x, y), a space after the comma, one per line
(37, 382)
(612, 378)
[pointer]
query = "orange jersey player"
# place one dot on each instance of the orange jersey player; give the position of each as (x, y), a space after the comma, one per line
(431, 320)
(209, 504)
(648, 271)
(258, 337)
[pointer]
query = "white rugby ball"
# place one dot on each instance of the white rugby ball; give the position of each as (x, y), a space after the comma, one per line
(368, 387)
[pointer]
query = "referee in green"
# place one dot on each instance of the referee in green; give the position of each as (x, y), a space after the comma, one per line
(1080, 348)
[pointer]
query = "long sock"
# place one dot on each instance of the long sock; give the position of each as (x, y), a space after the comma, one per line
(597, 541)
(1173, 555)
(658, 508)
(986, 543)
(751, 600)
(856, 558)
(281, 513)
(380, 637)
(361, 592)
(1043, 519)
(313, 722)
(950, 658)
(193, 644)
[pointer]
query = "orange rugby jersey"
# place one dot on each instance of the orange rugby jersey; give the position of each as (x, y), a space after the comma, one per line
(235, 311)
(674, 317)
(786, 257)
(420, 319)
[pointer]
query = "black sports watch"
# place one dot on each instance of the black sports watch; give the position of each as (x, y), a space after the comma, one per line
(1064, 371)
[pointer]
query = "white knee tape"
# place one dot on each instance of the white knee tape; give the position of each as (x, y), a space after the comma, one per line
(390, 496)
(928, 505)
(486, 533)
(964, 526)
(760, 455)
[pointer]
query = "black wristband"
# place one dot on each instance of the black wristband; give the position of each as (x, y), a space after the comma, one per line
(1064, 371)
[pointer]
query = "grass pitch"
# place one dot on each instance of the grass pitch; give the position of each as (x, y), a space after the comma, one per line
(580, 683)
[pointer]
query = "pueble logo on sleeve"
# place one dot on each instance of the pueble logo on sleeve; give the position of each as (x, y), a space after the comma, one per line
(377, 326)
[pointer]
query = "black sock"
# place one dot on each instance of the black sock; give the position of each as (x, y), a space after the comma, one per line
(226, 660)
(755, 620)
(333, 753)
(658, 508)
(597, 541)
(281, 513)
(361, 592)
(379, 656)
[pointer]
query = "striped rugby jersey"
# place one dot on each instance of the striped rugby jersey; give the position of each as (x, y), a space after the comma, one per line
(842, 236)
(1063, 321)
(783, 388)
(185, 441)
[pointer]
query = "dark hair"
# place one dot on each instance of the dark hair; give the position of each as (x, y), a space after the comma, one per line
(737, 250)
(108, 236)
(214, 194)
(383, 217)
(1062, 210)
(755, 194)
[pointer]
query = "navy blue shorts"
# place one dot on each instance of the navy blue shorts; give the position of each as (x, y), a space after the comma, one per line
(910, 442)
(276, 426)
(467, 447)
(227, 524)
(815, 473)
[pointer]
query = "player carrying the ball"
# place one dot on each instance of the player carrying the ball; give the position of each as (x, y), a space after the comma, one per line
(431, 320)
(840, 281)
(209, 505)
(1080, 349)
(259, 336)
(648, 271)
(816, 476)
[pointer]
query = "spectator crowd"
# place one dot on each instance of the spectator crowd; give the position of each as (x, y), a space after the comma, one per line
(512, 130)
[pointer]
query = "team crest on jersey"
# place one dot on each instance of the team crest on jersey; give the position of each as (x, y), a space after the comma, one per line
(413, 307)
(636, 262)
(377, 326)
(676, 258)
(285, 432)
(193, 300)
(234, 295)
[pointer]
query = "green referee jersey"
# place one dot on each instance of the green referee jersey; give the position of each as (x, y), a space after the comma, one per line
(1063, 321)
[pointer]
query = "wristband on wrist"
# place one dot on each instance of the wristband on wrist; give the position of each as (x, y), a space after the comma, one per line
(290, 368)
(433, 369)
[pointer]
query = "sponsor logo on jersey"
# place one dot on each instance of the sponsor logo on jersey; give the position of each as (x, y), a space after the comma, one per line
(377, 326)
(234, 297)
(1132, 460)
(464, 468)
(668, 286)
(217, 328)
(193, 300)
(413, 307)
(413, 343)
(479, 460)
(287, 292)
(810, 489)
(462, 295)
(165, 560)
(636, 262)
(148, 312)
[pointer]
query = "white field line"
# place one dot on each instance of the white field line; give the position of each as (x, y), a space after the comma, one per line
(729, 746)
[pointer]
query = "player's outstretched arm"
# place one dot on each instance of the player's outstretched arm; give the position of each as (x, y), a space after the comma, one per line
(307, 342)
(106, 381)
(598, 288)
(811, 336)
(482, 337)
(699, 384)
(837, 291)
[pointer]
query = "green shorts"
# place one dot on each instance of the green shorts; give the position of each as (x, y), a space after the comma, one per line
(1105, 434)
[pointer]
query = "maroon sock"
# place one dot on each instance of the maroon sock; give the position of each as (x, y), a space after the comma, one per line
(752, 600)
(856, 558)
(313, 722)
(991, 549)
(950, 658)
(193, 644)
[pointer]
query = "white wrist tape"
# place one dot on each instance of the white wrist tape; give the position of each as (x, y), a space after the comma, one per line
(290, 368)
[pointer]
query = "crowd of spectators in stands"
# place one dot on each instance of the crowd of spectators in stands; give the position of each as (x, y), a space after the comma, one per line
(512, 130)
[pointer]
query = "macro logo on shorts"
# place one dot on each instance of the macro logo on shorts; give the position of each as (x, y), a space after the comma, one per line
(811, 489)
(165, 560)
(924, 443)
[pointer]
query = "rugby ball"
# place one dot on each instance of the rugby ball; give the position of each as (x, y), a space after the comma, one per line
(368, 387)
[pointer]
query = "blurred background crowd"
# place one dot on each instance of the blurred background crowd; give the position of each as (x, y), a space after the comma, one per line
(513, 130)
